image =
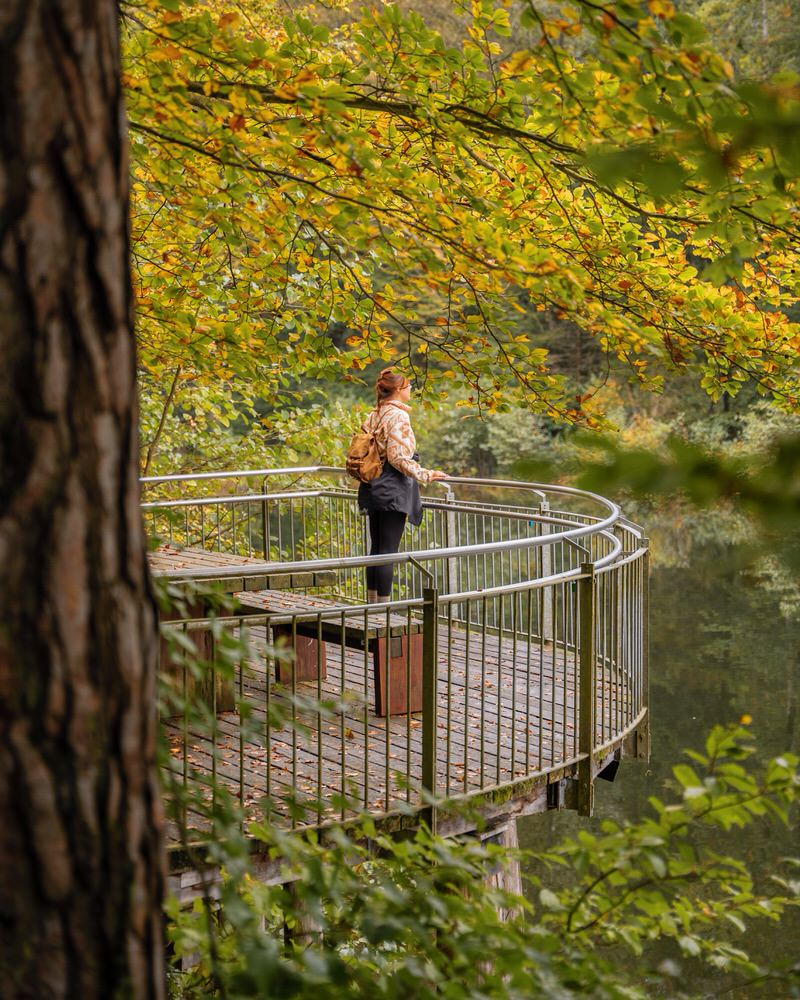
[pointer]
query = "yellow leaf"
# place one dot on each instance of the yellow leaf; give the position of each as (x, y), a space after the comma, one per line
(162, 52)
(518, 63)
(238, 100)
(662, 8)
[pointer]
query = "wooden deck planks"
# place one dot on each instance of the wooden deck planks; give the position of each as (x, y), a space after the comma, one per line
(527, 715)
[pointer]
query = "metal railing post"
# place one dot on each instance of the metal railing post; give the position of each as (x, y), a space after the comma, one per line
(265, 520)
(547, 570)
(643, 732)
(430, 627)
(586, 687)
(450, 538)
(451, 541)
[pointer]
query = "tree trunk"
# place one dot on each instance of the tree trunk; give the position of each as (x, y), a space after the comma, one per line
(81, 869)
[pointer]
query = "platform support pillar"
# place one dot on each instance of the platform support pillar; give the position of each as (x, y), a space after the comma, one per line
(506, 875)
(306, 929)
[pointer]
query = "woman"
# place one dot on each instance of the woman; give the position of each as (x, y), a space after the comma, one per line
(394, 496)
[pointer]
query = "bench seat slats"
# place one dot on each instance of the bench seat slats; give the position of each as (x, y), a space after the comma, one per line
(357, 630)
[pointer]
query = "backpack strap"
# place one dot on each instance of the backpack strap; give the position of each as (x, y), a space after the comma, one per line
(374, 429)
(381, 413)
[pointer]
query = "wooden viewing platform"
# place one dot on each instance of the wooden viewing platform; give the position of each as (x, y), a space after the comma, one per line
(514, 651)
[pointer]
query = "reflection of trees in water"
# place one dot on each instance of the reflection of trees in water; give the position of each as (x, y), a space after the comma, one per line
(677, 530)
(720, 647)
(782, 581)
(724, 542)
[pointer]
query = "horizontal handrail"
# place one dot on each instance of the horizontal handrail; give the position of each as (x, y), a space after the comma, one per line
(282, 616)
(185, 477)
(631, 557)
(351, 562)
(511, 484)
(264, 569)
(571, 531)
(235, 498)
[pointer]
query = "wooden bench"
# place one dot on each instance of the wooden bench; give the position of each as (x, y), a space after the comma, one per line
(395, 647)
(214, 687)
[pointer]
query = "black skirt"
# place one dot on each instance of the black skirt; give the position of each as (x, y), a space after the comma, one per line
(392, 490)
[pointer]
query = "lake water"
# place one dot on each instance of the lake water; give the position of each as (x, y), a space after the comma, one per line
(721, 647)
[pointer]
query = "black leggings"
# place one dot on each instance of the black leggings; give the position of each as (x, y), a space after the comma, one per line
(385, 532)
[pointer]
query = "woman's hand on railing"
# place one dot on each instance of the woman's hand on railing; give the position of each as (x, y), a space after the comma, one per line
(438, 474)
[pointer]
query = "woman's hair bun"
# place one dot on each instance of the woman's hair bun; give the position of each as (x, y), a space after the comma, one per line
(388, 383)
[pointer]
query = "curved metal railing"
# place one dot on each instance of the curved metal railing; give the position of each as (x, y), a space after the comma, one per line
(525, 603)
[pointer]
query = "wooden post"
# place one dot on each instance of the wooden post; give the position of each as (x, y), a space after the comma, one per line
(508, 876)
(430, 614)
(307, 930)
(587, 688)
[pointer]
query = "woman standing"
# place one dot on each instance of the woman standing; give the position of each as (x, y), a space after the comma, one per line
(393, 497)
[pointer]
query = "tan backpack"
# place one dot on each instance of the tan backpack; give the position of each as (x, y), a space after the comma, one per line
(364, 462)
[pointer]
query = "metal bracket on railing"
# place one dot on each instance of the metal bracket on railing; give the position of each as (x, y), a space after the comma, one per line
(423, 569)
(578, 547)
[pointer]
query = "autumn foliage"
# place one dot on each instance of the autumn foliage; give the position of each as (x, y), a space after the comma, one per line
(310, 197)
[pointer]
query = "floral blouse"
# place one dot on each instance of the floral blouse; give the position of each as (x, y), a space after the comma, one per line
(396, 442)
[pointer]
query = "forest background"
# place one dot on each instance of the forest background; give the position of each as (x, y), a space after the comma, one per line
(270, 294)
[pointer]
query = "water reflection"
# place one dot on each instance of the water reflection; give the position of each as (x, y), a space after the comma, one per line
(723, 644)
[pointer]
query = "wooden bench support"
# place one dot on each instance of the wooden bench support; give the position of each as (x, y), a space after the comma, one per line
(309, 656)
(398, 676)
(209, 683)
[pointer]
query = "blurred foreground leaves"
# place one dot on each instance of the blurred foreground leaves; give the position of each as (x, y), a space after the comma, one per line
(362, 914)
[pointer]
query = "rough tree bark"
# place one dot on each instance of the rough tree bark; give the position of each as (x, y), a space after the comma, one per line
(81, 871)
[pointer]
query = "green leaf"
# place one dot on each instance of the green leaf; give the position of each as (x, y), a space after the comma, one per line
(550, 900)
(686, 776)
